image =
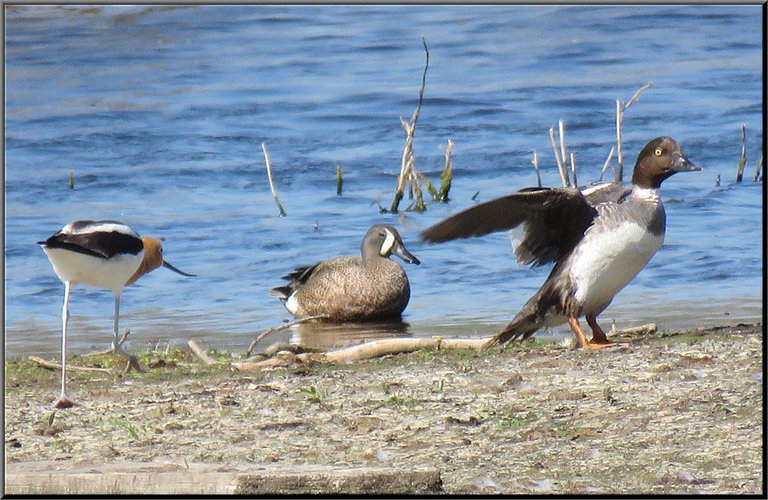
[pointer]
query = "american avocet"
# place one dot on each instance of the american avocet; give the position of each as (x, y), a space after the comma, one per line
(103, 254)
(351, 288)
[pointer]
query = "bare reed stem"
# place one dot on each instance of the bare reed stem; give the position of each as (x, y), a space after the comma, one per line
(271, 183)
(573, 171)
(619, 154)
(560, 166)
(339, 180)
(620, 109)
(743, 159)
(535, 162)
(407, 163)
(564, 157)
(608, 162)
(446, 176)
(758, 168)
(636, 96)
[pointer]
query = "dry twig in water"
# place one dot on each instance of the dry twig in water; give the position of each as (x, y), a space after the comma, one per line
(560, 159)
(620, 109)
(573, 171)
(269, 177)
(446, 176)
(535, 162)
(607, 163)
(743, 159)
(407, 163)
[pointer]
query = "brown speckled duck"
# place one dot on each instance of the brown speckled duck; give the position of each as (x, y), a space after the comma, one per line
(371, 287)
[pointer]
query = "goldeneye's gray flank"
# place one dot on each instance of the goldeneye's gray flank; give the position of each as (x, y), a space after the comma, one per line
(599, 239)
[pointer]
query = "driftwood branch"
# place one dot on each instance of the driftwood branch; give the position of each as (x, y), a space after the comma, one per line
(646, 329)
(278, 328)
(200, 353)
(364, 351)
(271, 182)
(56, 366)
(385, 347)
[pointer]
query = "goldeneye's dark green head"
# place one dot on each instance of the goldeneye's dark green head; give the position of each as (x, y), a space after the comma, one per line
(660, 159)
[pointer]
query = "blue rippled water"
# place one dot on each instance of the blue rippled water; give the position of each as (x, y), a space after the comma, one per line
(160, 112)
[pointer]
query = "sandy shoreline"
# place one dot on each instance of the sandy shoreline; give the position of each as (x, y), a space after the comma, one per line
(668, 413)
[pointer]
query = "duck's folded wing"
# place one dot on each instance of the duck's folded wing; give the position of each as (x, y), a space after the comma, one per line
(296, 279)
(553, 220)
(606, 192)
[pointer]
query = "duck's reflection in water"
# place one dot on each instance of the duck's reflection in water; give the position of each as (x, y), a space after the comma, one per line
(326, 335)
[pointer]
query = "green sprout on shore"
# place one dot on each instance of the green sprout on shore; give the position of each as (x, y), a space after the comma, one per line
(129, 427)
(313, 394)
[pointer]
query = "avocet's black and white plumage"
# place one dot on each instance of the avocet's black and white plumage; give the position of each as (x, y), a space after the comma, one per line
(599, 239)
(371, 287)
(102, 254)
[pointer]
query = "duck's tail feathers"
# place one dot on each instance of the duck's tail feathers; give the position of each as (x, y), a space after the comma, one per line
(281, 292)
(520, 328)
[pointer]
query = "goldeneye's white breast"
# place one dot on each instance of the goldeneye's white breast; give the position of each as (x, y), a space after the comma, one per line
(615, 248)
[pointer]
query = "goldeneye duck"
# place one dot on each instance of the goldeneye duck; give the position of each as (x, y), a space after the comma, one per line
(599, 239)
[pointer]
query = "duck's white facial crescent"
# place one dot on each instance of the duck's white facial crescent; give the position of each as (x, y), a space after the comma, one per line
(389, 243)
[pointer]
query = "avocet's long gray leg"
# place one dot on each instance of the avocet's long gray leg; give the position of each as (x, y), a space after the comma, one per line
(64, 401)
(133, 361)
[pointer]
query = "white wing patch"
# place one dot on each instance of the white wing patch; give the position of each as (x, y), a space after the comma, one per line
(292, 304)
(591, 189)
(100, 227)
